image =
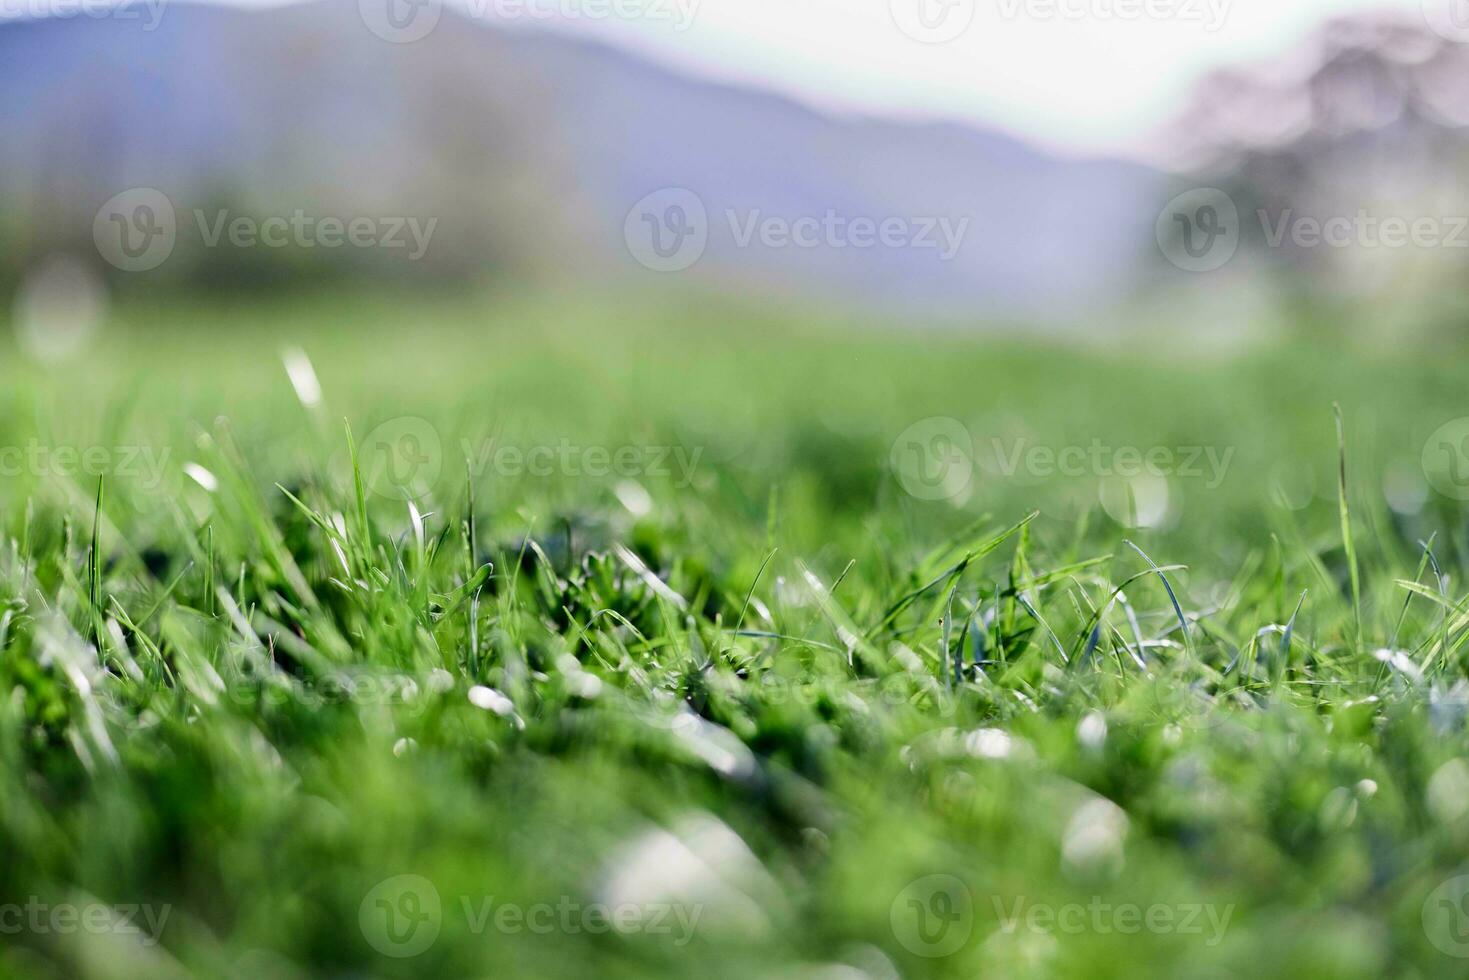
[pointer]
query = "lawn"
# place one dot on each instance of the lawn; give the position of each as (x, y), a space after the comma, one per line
(359, 636)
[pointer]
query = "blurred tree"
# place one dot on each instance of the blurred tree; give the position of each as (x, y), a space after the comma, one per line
(1361, 123)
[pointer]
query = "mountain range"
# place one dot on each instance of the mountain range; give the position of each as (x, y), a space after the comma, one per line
(543, 158)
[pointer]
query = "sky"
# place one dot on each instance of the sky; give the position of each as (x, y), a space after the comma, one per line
(1076, 76)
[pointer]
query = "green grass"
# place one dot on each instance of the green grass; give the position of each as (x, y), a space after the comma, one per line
(762, 697)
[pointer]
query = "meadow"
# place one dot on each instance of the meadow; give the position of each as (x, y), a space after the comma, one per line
(361, 636)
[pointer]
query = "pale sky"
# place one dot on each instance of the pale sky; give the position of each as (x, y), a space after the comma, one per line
(1074, 75)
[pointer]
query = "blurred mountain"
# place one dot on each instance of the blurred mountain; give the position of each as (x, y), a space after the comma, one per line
(531, 149)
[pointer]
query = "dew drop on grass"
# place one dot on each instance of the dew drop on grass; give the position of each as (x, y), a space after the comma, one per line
(1142, 501)
(303, 376)
(1448, 791)
(720, 748)
(698, 863)
(1091, 731)
(1093, 838)
(490, 699)
(59, 307)
(636, 499)
(988, 743)
(1404, 488)
(201, 476)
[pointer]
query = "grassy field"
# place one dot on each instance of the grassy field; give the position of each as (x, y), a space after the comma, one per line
(366, 638)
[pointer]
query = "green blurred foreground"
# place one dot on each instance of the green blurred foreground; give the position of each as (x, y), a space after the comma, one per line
(686, 642)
